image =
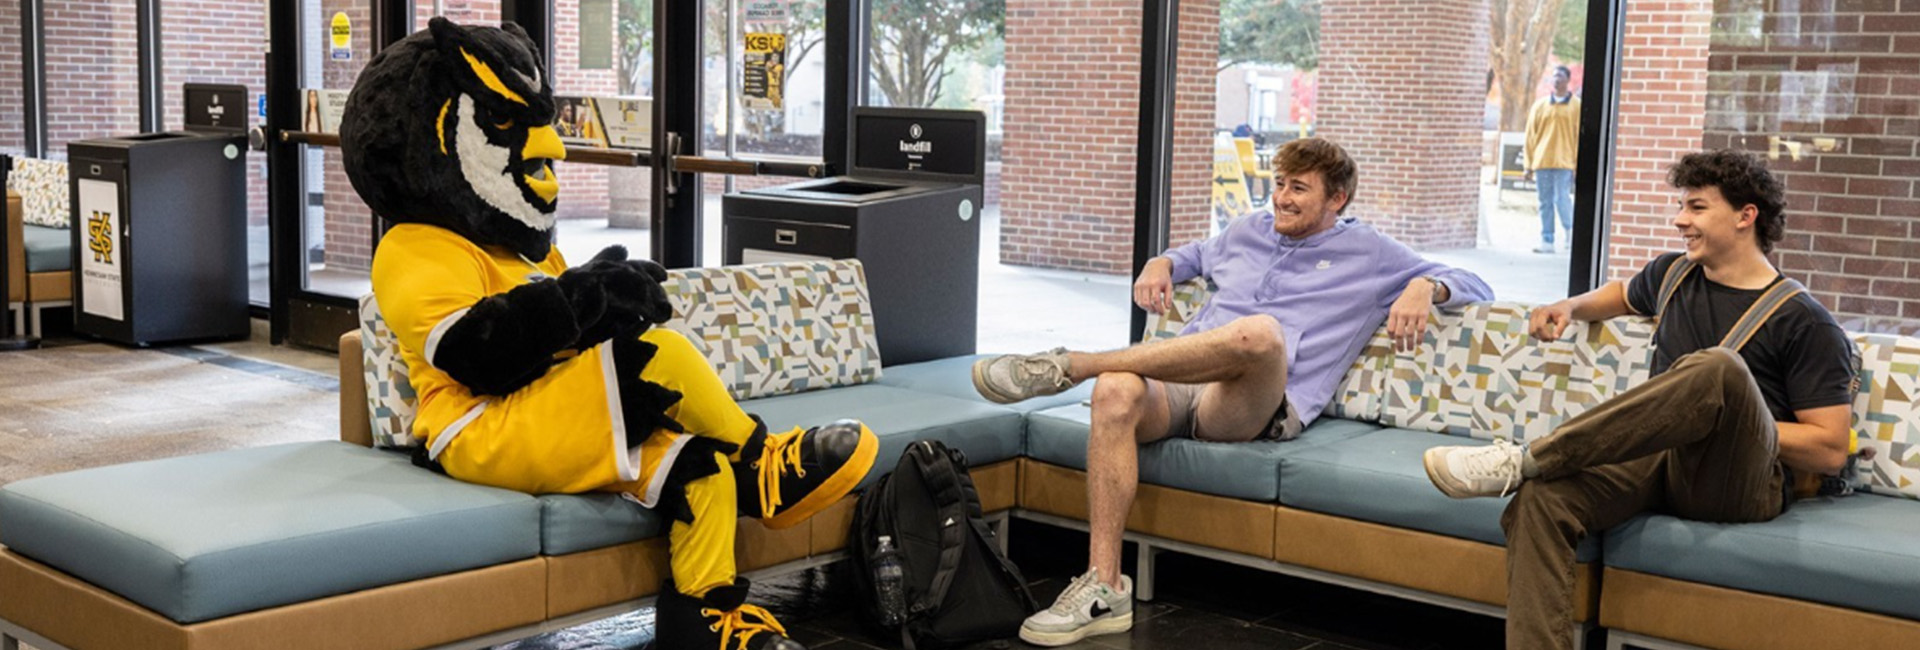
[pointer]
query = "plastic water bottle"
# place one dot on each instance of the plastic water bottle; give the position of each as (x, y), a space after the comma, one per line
(889, 583)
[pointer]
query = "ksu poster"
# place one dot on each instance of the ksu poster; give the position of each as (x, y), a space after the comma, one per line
(102, 262)
(764, 79)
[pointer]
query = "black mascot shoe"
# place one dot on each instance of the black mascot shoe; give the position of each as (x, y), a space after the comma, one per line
(720, 621)
(788, 477)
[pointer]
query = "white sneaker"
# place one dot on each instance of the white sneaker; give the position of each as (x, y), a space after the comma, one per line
(1088, 607)
(1545, 248)
(1461, 472)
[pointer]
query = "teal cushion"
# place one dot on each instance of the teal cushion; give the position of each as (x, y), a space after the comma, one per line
(984, 432)
(1240, 470)
(1379, 477)
(48, 249)
(953, 377)
(201, 537)
(570, 523)
(1859, 552)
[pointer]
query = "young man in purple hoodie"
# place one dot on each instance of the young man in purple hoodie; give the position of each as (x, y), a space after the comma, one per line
(1300, 290)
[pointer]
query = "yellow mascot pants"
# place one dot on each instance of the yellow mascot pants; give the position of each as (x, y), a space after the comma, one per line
(702, 552)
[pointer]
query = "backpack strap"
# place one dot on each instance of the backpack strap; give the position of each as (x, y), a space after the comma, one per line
(1670, 283)
(943, 484)
(1777, 295)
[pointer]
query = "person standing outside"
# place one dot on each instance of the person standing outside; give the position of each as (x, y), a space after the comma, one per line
(1553, 151)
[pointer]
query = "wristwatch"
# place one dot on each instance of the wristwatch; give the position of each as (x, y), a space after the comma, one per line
(1441, 292)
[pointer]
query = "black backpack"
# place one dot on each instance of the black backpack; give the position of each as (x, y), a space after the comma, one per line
(959, 587)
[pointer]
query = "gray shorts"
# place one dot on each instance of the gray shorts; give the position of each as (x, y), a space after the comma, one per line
(1183, 405)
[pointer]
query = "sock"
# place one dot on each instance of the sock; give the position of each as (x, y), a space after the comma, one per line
(1528, 468)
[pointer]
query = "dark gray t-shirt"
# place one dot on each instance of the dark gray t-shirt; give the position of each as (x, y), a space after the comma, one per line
(1800, 358)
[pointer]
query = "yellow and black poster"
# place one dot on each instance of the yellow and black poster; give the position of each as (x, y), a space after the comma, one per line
(765, 75)
(1230, 196)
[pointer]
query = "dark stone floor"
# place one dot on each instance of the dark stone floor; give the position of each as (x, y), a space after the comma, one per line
(1201, 605)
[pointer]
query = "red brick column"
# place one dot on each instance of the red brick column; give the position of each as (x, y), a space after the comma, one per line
(13, 139)
(92, 72)
(1663, 94)
(1840, 84)
(1195, 94)
(348, 223)
(1072, 119)
(1403, 87)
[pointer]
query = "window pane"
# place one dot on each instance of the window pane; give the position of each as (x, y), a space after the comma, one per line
(1828, 95)
(337, 233)
(1435, 116)
(1062, 113)
(221, 42)
(604, 49)
(92, 72)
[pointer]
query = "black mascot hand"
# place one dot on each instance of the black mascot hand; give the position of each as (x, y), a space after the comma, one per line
(612, 296)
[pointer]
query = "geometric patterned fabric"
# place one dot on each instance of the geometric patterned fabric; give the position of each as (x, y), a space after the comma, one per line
(42, 185)
(1886, 413)
(768, 329)
(1480, 374)
(774, 329)
(390, 398)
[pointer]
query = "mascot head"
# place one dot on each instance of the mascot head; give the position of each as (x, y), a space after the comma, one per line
(453, 127)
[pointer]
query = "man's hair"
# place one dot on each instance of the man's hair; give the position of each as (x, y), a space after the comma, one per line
(1320, 155)
(1744, 180)
(1561, 69)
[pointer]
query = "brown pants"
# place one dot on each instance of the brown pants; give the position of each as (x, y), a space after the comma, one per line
(1696, 441)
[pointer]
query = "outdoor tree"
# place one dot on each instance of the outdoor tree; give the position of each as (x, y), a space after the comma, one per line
(1272, 32)
(912, 40)
(1523, 36)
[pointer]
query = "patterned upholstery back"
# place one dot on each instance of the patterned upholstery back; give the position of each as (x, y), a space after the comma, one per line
(768, 329)
(42, 185)
(1358, 397)
(1480, 374)
(1887, 412)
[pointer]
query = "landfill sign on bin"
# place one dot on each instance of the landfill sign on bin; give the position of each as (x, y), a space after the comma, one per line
(766, 68)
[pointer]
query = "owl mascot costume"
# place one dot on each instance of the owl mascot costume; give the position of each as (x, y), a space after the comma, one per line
(537, 377)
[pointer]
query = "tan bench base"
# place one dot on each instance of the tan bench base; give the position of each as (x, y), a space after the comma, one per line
(1442, 570)
(1718, 617)
(51, 609)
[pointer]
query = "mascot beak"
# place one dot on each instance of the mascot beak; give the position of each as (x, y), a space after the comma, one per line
(543, 148)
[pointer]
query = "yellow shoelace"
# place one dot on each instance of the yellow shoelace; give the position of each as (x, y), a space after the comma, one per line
(784, 450)
(737, 621)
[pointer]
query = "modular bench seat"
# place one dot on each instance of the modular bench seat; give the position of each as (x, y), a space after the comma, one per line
(335, 545)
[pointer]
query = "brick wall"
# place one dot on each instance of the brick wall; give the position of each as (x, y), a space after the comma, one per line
(1663, 89)
(92, 72)
(217, 41)
(1842, 71)
(12, 135)
(1402, 86)
(1196, 95)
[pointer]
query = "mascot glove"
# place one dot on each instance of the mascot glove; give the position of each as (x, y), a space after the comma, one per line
(612, 296)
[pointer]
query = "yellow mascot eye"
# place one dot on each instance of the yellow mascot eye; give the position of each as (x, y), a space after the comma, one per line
(504, 125)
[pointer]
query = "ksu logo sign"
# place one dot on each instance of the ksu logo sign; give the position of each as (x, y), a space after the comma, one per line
(100, 237)
(917, 146)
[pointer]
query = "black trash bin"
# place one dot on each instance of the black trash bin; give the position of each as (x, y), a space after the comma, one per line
(159, 233)
(908, 210)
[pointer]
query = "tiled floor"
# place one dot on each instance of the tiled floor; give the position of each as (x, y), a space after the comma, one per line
(1202, 605)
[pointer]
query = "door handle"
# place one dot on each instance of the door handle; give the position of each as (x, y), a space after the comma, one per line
(785, 237)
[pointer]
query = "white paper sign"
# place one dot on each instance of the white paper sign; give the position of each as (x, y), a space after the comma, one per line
(628, 121)
(101, 259)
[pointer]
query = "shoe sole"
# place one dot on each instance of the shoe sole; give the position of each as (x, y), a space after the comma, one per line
(980, 385)
(1429, 459)
(1110, 625)
(835, 487)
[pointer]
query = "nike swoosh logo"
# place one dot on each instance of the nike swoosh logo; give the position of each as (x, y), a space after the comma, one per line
(1099, 609)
